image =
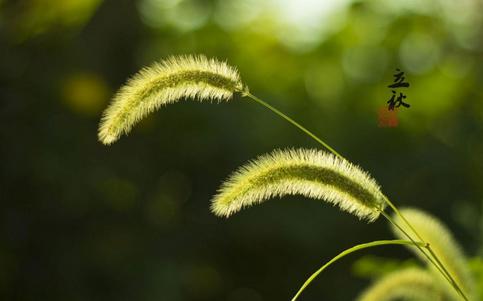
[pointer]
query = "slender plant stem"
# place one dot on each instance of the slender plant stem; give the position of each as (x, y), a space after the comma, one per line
(293, 122)
(349, 251)
(439, 265)
(455, 284)
(398, 213)
(391, 221)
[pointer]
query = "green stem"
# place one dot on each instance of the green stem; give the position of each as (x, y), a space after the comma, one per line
(455, 285)
(349, 251)
(391, 221)
(438, 264)
(399, 214)
(441, 268)
(293, 122)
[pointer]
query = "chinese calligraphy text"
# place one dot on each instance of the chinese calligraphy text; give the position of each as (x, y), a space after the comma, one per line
(397, 100)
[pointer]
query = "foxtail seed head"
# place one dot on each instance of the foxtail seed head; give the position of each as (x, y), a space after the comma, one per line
(171, 80)
(407, 284)
(444, 246)
(311, 173)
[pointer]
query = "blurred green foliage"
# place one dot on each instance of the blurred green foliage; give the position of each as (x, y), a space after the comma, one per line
(373, 267)
(476, 266)
(81, 221)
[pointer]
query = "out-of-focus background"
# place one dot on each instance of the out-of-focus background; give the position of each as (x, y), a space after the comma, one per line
(82, 221)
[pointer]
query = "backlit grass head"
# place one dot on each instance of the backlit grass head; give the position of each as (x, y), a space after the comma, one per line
(406, 284)
(444, 246)
(171, 80)
(311, 173)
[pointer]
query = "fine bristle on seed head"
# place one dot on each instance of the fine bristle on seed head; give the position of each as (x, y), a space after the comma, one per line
(310, 173)
(178, 77)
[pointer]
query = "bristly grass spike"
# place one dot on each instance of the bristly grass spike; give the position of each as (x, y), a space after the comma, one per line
(308, 172)
(194, 77)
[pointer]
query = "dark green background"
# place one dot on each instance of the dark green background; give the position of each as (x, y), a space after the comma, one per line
(82, 221)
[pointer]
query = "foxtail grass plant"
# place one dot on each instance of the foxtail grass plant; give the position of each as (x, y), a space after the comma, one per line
(426, 284)
(311, 173)
(444, 246)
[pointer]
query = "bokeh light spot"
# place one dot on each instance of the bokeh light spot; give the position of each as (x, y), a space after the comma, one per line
(183, 15)
(365, 63)
(419, 53)
(324, 82)
(85, 93)
(232, 14)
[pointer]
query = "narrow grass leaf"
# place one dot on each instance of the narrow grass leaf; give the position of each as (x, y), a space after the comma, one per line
(311, 173)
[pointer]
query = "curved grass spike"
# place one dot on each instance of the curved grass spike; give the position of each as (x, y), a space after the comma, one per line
(444, 247)
(406, 284)
(194, 77)
(311, 173)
